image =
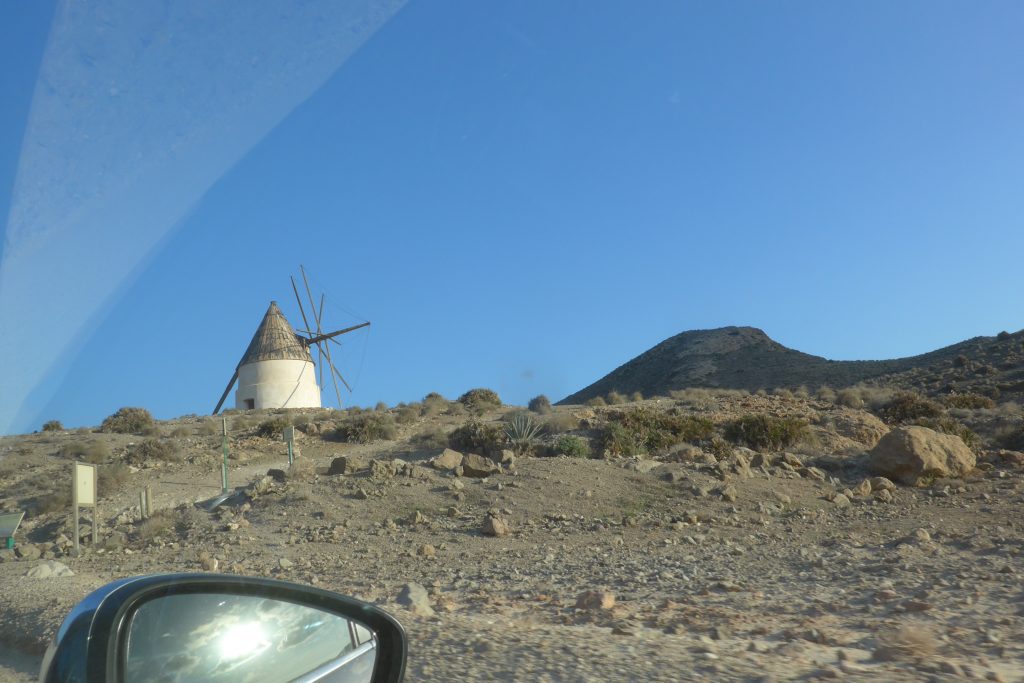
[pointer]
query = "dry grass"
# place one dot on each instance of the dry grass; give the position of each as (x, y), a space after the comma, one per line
(559, 423)
(160, 524)
(906, 643)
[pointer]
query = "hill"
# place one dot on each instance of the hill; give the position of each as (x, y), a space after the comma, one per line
(747, 358)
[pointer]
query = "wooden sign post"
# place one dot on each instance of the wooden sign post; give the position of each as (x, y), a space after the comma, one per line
(83, 493)
(224, 465)
(288, 436)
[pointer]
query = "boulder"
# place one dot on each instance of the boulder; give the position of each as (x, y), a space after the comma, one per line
(474, 465)
(340, 465)
(864, 428)
(595, 600)
(495, 526)
(448, 460)
(48, 570)
(415, 598)
(911, 454)
(27, 551)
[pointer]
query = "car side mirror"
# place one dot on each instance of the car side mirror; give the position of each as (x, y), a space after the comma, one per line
(184, 628)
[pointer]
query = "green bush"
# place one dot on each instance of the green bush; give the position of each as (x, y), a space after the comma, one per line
(908, 407)
(572, 446)
(128, 421)
(368, 427)
(761, 432)
(476, 437)
(53, 426)
(480, 400)
(642, 430)
(540, 404)
(273, 428)
(154, 449)
(971, 401)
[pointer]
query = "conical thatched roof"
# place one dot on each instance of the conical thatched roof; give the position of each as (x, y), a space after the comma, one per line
(275, 340)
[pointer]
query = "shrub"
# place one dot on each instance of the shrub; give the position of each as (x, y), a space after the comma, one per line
(53, 426)
(849, 398)
(826, 394)
(614, 398)
(908, 407)
(381, 406)
(53, 502)
(367, 428)
(273, 428)
(154, 449)
(1011, 438)
(407, 414)
(476, 437)
(181, 432)
(480, 400)
(969, 400)
(111, 478)
(434, 404)
(431, 438)
(540, 404)
(802, 392)
(596, 402)
(636, 397)
(160, 524)
(128, 421)
(782, 392)
(1003, 336)
(558, 423)
(760, 431)
(93, 452)
(522, 432)
(572, 446)
(210, 427)
(642, 430)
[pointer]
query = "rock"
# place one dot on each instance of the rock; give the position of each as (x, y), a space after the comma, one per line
(882, 484)
(27, 551)
(841, 501)
(285, 563)
(685, 452)
(426, 550)
(812, 473)
(340, 465)
(859, 426)
(277, 475)
(448, 460)
(474, 465)
(729, 494)
(884, 496)
(382, 469)
(48, 570)
(414, 597)
(792, 460)
(495, 526)
(862, 489)
(595, 600)
(782, 498)
(762, 460)
(641, 466)
(207, 562)
(911, 454)
(508, 458)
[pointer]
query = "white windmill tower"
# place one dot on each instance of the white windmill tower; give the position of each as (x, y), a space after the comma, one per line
(277, 370)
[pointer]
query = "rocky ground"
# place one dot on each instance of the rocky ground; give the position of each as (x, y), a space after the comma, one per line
(800, 564)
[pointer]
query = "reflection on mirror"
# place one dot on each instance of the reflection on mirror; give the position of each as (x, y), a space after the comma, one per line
(216, 637)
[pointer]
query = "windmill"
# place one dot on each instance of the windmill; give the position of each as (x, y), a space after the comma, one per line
(277, 370)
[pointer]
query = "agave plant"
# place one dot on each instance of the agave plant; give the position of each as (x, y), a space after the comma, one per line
(522, 432)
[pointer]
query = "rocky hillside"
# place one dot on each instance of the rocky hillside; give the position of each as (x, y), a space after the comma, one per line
(747, 358)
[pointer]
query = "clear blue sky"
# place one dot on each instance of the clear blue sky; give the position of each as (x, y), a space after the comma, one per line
(525, 195)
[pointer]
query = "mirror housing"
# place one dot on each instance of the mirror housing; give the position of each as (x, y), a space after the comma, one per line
(91, 642)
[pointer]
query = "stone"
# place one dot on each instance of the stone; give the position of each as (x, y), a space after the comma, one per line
(762, 460)
(508, 458)
(27, 551)
(48, 570)
(882, 484)
(382, 469)
(285, 563)
(912, 454)
(860, 426)
(495, 526)
(862, 489)
(277, 475)
(595, 600)
(474, 465)
(208, 563)
(340, 465)
(841, 501)
(426, 550)
(447, 460)
(301, 469)
(414, 597)
(884, 496)
(729, 494)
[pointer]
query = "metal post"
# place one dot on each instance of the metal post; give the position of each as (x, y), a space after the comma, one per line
(95, 524)
(74, 504)
(149, 501)
(291, 454)
(142, 504)
(224, 465)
